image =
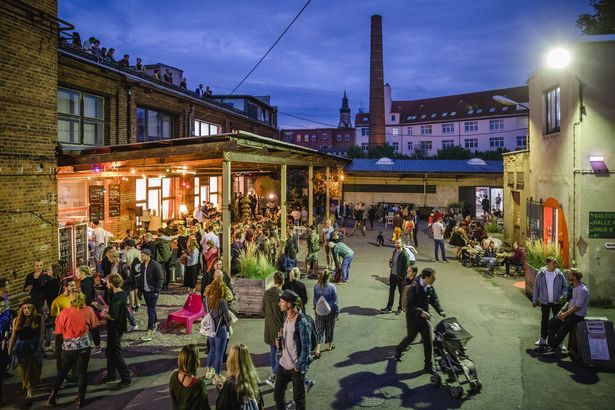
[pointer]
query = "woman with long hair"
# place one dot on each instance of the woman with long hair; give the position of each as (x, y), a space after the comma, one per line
(188, 392)
(240, 390)
(51, 290)
(217, 307)
(26, 345)
(74, 324)
(192, 264)
(87, 286)
(326, 310)
(211, 256)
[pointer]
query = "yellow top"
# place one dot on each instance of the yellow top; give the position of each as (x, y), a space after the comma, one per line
(58, 305)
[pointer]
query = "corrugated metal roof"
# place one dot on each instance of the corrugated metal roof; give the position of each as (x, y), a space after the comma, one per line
(429, 166)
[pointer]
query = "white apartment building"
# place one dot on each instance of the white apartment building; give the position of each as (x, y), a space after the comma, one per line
(474, 121)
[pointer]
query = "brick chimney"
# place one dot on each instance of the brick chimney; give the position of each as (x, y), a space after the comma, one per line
(376, 85)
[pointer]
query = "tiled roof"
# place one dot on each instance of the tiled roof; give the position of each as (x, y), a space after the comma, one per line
(430, 166)
(456, 107)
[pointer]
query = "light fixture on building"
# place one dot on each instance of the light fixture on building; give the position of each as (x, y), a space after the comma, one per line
(598, 165)
(183, 209)
(558, 58)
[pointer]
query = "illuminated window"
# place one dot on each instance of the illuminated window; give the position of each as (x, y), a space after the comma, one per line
(552, 105)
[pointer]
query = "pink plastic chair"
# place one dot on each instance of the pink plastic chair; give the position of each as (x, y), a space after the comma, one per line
(191, 312)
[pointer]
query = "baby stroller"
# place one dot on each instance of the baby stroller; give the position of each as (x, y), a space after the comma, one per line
(471, 257)
(450, 358)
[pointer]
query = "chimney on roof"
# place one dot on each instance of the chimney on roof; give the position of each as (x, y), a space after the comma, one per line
(376, 85)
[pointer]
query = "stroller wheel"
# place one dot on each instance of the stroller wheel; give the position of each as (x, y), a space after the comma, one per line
(476, 386)
(456, 392)
(435, 380)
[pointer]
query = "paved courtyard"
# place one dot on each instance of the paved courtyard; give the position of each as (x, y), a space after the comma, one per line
(359, 373)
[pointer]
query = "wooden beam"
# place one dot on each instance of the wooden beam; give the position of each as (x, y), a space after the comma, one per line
(328, 195)
(226, 216)
(311, 194)
(283, 215)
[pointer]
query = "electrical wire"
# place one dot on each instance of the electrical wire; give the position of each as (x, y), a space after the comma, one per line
(270, 48)
(307, 119)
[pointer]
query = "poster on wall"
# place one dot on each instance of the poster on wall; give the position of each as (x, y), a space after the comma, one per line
(114, 201)
(602, 225)
(97, 202)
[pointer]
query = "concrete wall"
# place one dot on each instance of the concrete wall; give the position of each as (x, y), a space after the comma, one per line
(559, 162)
(447, 188)
(516, 196)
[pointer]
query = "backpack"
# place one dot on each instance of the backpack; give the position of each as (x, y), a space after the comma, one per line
(322, 307)
(311, 330)
(208, 326)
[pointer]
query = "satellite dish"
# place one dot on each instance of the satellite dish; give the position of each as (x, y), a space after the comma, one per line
(385, 161)
(476, 161)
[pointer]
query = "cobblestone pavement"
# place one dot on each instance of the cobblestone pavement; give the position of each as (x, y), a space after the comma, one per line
(359, 373)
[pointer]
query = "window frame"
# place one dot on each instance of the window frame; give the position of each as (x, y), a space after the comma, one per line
(160, 125)
(80, 119)
(202, 124)
(470, 127)
(425, 129)
(448, 128)
(473, 144)
(496, 125)
(496, 142)
(555, 125)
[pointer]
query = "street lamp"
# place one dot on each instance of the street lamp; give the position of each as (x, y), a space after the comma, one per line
(507, 101)
(558, 58)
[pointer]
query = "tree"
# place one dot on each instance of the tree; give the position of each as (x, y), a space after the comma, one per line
(420, 152)
(355, 152)
(454, 152)
(602, 21)
(491, 155)
(379, 151)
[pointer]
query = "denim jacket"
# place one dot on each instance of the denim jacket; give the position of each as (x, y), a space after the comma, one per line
(560, 287)
(330, 294)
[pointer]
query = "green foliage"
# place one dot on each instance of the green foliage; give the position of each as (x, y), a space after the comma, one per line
(491, 155)
(602, 21)
(379, 151)
(492, 227)
(454, 152)
(537, 251)
(252, 265)
(355, 152)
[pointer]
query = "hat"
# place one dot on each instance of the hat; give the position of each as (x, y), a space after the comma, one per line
(146, 252)
(289, 296)
(129, 242)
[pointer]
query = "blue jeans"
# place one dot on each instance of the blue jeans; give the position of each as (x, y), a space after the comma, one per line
(217, 345)
(346, 268)
(490, 262)
(273, 359)
(439, 243)
(151, 299)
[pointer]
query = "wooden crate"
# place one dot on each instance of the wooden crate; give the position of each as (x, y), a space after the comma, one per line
(249, 294)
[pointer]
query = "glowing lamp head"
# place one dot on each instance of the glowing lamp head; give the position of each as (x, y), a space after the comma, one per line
(558, 58)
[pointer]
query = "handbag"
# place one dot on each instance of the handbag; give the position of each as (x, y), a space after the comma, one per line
(322, 307)
(208, 326)
(233, 317)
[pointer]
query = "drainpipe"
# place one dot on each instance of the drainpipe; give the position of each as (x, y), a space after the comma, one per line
(576, 171)
(128, 114)
(425, 190)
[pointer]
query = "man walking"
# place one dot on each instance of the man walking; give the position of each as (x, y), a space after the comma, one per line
(398, 263)
(549, 288)
(341, 251)
(274, 319)
(313, 247)
(438, 239)
(150, 284)
(116, 326)
(421, 294)
(163, 256)
(295, 344)
(560, 325)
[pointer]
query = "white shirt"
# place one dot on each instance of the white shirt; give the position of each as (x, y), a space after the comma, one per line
(438, 231)
(100, 236)
(210, 236)
(550, 278)
(289, 348)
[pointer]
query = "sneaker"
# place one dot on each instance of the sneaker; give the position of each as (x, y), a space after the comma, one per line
(541, 342)
(122, 385)
(563, 349)
(398, 312)
(148, 336)
(271, 381)
(156, 327)
(548, 352)
(308, 385)
(210, 373)
(218, 380)
(96, 350)
(109, 380)
(386, 310)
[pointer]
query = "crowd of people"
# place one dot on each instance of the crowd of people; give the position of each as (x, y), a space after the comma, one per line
(65, 314)
(92, 47)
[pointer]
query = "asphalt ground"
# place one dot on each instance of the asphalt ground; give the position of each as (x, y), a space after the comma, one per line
(359, 372)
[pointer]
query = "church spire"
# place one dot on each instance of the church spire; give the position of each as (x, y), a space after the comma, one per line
(345, 113)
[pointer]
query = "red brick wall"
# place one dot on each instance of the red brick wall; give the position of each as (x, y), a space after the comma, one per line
(28, 134)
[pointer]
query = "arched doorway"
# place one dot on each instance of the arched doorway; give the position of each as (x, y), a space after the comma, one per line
(555, 228)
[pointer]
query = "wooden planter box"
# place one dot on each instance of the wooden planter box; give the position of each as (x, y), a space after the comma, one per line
(249, 294)
(530, 279)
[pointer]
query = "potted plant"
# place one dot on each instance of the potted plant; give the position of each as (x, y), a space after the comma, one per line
(536, 252)
(256, 276)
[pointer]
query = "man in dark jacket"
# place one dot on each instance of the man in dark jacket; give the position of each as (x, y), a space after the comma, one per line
(398, 263)
(421, 294)
(274, 319)
(163, 255)
(150, 284)
(116, 326)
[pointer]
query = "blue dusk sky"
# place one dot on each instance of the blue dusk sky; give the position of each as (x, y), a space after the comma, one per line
(431, 47)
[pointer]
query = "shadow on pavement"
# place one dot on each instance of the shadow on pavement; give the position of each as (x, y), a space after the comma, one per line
(579, 373)
(373, 355)
(359, 311)
(369, 389)
(381, 279)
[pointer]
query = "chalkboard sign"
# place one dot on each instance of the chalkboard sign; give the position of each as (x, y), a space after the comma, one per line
(602, 225)
(97, 202)
(114, 201)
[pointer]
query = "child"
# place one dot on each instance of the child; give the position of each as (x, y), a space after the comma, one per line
(380, 239)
